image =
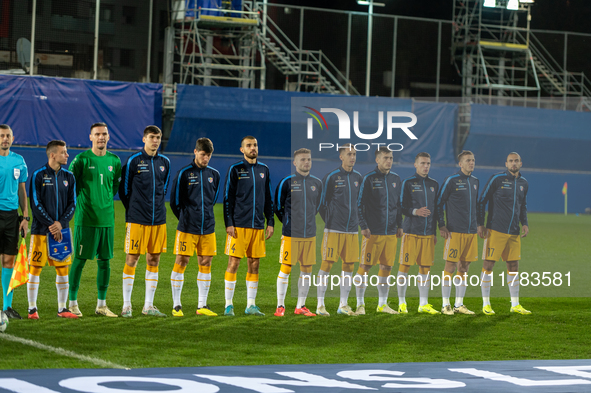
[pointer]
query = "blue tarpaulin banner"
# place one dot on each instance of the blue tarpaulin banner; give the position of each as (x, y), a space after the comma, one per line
(225, 115)
(41, 109)
(545, 138)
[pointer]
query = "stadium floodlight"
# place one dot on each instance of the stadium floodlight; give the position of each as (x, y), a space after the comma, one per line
(527, 1)
(513, 5)
(490, 3)
(366, 2)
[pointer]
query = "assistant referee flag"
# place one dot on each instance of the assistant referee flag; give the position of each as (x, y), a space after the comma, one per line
(564, 188)
(20, 274)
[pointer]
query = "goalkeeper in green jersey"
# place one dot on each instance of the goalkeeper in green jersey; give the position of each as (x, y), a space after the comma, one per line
(98, 173)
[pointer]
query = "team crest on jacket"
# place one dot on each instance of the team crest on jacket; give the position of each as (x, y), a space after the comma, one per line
(356, 184)
(313, 188)
(432, 189)
(394, 184)
(66, 183)
(161, 168)
(474, 186)
(262, 175)
(110, 168)
(210, 179)
(520, 188)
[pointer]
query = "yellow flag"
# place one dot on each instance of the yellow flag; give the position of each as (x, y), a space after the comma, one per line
(20, 274)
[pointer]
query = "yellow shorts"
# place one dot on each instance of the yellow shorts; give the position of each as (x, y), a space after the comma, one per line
(379, 249)
(187, 243)
(501, 245)
(461, 247)
(298, 249)
(345, 245)
(38, 253)
(140, 239)
(419, 250)
(249, 242)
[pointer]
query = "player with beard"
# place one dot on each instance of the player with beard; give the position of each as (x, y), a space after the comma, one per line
(506, 196)
(248, 201)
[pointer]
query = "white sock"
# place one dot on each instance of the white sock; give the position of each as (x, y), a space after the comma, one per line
(303, 288)
(151, 285)
(321, 287)
(383, 289)
(176, 282)
(346, 281)
(203, 284)
(33, 290)
(282, 283)
(360, 289)
(128, 280)
(446, 289)
(251, 292)
(513, 283)
(72, 303)
(402, 282)
(229, 291)
(424, 289)
(101, 303)
(62, 284)
(485, 288)
(460, 291)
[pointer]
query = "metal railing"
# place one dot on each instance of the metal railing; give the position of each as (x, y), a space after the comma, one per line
(313, 68)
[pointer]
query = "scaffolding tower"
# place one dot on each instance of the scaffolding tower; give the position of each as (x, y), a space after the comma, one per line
(232, 47)
(501, 62)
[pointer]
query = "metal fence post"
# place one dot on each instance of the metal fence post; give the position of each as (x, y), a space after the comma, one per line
(394, 48)
(149, 42)
(96, 39)
(32, 54)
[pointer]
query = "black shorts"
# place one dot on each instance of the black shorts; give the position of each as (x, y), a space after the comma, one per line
(9, 232)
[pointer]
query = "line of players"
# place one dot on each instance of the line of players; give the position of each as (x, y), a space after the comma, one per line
(376, 203)
(344, 199)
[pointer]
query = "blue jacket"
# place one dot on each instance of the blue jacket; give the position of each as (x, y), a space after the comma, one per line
(379, 203)
(144, 181)
(297, 200)
(247, 196)
(506, 196)
(417, 192)
(338, 207)
(52, 198)
(193, 194)
(457, 199)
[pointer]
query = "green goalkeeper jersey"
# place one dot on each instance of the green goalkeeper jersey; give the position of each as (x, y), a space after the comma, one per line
(97, 182)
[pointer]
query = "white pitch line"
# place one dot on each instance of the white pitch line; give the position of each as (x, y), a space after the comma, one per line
(63, 352)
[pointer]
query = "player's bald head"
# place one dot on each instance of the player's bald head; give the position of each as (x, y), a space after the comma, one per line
(513, 154)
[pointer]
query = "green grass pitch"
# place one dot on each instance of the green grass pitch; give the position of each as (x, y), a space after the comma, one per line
(557, 329)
